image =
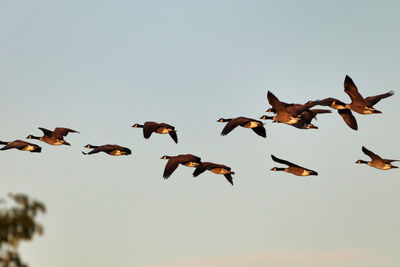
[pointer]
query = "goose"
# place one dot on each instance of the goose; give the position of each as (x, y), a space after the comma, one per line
(188, 160)
(358, 103)
(343, 111)
(293, 168)
(215, 168)
(255, 125)
(113, 150)
(377, 161)
(150, 127)
(55, 137)
(21, 145)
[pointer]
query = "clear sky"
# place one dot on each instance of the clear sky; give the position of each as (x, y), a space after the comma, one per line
(100, 66)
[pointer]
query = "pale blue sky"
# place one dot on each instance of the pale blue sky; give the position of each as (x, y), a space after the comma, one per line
(100, 66)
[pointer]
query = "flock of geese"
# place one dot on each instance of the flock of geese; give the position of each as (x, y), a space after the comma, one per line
(296, 115)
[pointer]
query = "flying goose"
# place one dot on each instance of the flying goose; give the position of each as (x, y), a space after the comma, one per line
(21, 145)
(55, 137)
(293, 168)
(358, 103)
(255, 125)
(215, 168)
(343, 111)
(377, 161)
(150, 127)
(188, 160)
(113, 150)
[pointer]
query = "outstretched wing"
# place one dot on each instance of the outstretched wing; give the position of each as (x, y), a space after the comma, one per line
(228, 177)
(232, 124)
(260, 130)
(277, 105)
(348, 118)
(200, 169)
(370, 154)
(173, 136)
(351, 89)
(61, 132)
(284, 162)
(328, 102)
(148, 128)
(170, 167)
(46, 132)
(372, 100)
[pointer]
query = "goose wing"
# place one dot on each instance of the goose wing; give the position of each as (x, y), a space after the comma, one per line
(351, 89)
(171, 166)
(390, 160)
(228, 177)
(372, 100)
(149, 127)
(348, 118)
(371, 154)
(260, 130)
(285, 162)
(233, 123)
(201, 168)
(277, 105)
(328, 102)
(60, 132)
(173, 136)
(46, 132)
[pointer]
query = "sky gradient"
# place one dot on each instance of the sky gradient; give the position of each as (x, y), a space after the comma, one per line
(99, 67)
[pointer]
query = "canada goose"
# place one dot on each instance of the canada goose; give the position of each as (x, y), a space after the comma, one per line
(55, 137)
(21, 145)
(215, 168)
(358, 103)
(343, 111)
(255, 125)
(377, 162)
(188, 160)
(113, 150)
(161, 128)
(293, 168)
(287, 113)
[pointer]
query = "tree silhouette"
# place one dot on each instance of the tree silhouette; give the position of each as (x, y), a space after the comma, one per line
(17, 223)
